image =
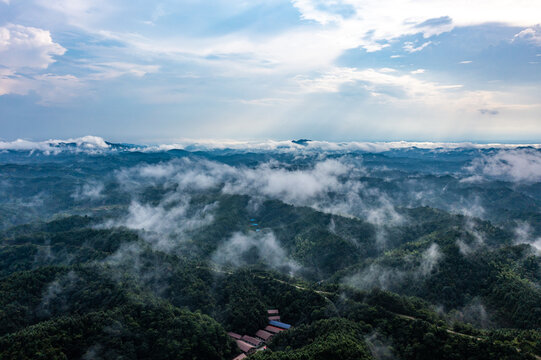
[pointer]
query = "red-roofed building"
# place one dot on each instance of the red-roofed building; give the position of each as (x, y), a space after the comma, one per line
(245, 347)
(251, 340)
(275, 317)
(240, 357)
(263, 335)
(234, 335)
(273, 329)
(272, 312)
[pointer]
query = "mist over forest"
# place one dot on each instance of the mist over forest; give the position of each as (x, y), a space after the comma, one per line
(369, 250)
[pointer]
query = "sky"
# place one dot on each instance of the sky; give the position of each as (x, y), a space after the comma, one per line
(337, 70)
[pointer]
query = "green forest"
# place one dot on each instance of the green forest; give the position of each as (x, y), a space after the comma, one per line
(151, 264)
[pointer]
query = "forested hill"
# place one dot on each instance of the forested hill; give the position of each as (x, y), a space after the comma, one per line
(132, 254)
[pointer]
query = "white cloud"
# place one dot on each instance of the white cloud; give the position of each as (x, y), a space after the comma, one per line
(310, 11)
(524, 235)
(22, 47)
(418, 71)
(514, 165)
(330, 186)
(376, 276)
(109, 70)
(86, 143)
(411, 47)
(24, 53)
(89, 191)
(466, 62)
(395, 18)
(373, 80)
(81, 13)
(430, 259)
(51, 88)
(310, 46)
(298, 187)
(268, 249)
(166, 224)
(93, 143)
(531, 34)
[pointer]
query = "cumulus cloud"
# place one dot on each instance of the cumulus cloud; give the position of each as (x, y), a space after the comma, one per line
(22, 46)
(521, 165)
(240, 249)
(24, 51)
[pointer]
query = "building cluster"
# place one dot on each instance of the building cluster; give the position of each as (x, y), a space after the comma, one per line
(250, 344)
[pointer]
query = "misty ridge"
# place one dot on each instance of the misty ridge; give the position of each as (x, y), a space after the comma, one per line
(451, 233)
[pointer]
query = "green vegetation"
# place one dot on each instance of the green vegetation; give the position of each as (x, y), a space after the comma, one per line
(78, 281)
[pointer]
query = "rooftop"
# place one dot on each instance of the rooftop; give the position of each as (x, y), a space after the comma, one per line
(251, 340)
(244, 346)
(234, 335)
(262, 334)
(273, 329)
(279, 324)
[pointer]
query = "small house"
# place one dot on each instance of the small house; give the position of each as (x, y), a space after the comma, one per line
(234, 335)
(263, 335)
(245, 347)
(273, 329)
(279, 324)
(251, 340)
